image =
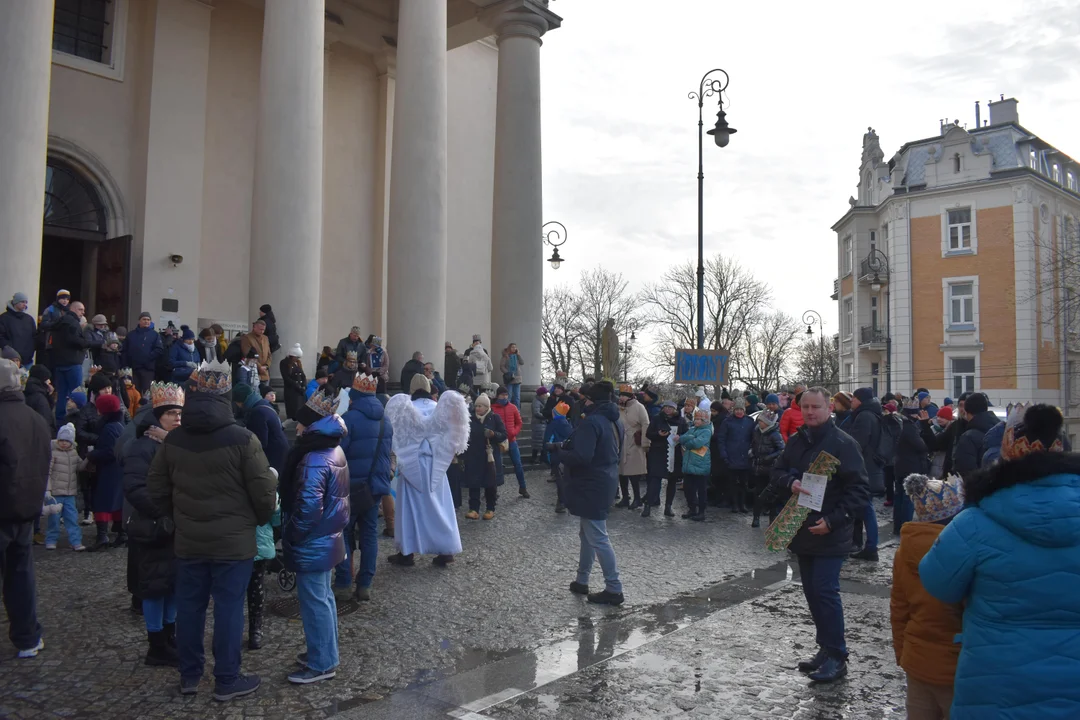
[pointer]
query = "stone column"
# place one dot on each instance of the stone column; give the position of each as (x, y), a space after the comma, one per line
(517, 253)
(416, 279)
(26, 59)
(286, 222)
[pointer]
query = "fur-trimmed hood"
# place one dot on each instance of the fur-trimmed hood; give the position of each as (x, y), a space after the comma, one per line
(1036, 497)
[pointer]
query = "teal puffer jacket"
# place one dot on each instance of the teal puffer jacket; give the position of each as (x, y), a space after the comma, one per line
(696, 459)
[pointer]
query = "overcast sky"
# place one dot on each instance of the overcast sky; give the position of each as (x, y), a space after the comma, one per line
(620, 146)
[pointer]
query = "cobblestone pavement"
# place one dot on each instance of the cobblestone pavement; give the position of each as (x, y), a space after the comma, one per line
(496, 634)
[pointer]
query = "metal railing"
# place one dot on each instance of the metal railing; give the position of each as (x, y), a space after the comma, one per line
(872, 335)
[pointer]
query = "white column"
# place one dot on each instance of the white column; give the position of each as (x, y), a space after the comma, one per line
(26, 59)
(384, 144)
(286, 222)
(517, 253)
(416, 280)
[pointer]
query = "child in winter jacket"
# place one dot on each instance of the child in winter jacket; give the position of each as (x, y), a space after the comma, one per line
(64, 488)
(558, 431)
(697, 464)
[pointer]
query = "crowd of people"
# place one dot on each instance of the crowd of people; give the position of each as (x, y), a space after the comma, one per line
(187, 463)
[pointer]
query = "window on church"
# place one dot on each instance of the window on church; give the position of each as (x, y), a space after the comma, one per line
(956, 163)
(83, 28)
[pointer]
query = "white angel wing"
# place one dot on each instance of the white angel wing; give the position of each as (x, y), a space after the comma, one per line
(451, 420)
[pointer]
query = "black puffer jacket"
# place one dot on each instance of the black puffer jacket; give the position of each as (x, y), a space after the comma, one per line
(912, 455)
(656, 456)
(156, 563)
(967, 453)
(37, 397)
(212, 478)
(17, 329)
(25, 454)
(86, 421)
(846, 494)
(69, 341)
(865, 427)
(766, 447)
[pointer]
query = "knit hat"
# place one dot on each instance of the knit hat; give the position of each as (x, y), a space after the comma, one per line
(752, 400)
(740, 403)
(935, 500)
(187, 334)
(945, 412)
(67, 432)
(10, 353)
(99, 319)
(241, 392)
(724, 395)
(976, 403)
(651, 394)
(78, 398)
(922, 396)
(63, 293)
(107, 404)
(841, 401)
(772, 398)
(1030, 430)
(947, 401)
(670, 404)
(482, 399)
(864, 394)
(19, 297)
(626, 390)
(40, 372)
(768, 418)
(889, 406)
(121, 332)
(541, 391)
(98, 382)
(419, 382)
(9, 375)
(265, 307)
(146, 315)
(600, 392)
(476, 338)
(562, 409)
(498, 391)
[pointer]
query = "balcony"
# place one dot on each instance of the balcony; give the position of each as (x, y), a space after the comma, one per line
(871, 271)
(835, 289)
(873, 338)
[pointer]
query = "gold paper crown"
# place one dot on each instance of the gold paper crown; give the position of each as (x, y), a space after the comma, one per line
(365, 383)
(324, 405)
(163, 394)
(352, 358)
(126, 373)
(214, 378)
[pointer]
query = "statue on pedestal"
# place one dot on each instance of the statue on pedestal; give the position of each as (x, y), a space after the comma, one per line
(609, 350)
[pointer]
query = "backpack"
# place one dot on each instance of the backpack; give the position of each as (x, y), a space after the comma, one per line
(889, 429)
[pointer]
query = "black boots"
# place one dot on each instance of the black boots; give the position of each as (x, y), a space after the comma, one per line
(756, 521)
(831, 670)
(865, 554)
(646, 511)
(808, 666)
(690, 513)
(402, 560)
(160, 653)
(624, 503)
(255, 631)
(668, 512)
(170, 634)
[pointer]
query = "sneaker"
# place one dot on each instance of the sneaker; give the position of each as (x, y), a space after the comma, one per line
(50, 546)
(301, 658)
(241, 686)
(865, 554)
(79, 548)
(39, 538)
(579, 588)
(472, 515)
(560, 508)
(32, 652)
(88, 520)
(606, 597)
(489, 514)
(308, 676)
(189, 686)
(523, 493)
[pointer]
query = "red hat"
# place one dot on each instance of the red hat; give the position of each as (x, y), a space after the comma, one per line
(890, 406)
(107, 404)
(946, 412)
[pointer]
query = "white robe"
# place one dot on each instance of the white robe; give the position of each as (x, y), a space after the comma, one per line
(427, 436)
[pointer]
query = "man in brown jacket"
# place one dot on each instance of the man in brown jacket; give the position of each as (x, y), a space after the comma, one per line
(256, 340)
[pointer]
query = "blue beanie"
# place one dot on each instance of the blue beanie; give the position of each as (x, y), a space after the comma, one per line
(923, 395)
(864, 394)
(78, 398)
(772, 398)
(948, 402)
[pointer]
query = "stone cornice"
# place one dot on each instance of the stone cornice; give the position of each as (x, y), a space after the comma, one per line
(520, 18)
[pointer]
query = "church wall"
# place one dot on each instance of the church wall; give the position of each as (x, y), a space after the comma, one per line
(471, 75)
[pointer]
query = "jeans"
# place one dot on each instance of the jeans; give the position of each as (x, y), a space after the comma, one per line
(820, 576)
(20, 591)
(159, 612)
(66, 379)
(870, 522)
(515, 394)
(903, 510)
(71, 521)
(365, 529)
(697, 493)
(196, 582)
(490, 495)
(318, 611)
(515, 457)
(596, 545)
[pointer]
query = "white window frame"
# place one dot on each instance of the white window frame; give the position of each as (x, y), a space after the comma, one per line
(948, 369)
(960, 204)
(946, 298)
(847, 318)
(847, 255)
(1056, 171)
(1070, 180)
(849, 373)
(117, 41)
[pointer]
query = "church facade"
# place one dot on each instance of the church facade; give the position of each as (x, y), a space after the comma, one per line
(374, 163)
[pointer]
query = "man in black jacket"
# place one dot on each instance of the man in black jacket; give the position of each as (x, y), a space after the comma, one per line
(25, 455)
(68, 351)
(17, 329)
(412, 367)
(865, 427)
(822, 542)
(967, 451)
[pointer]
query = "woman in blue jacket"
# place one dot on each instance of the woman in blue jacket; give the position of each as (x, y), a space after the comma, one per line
(183, 357)
(1013, 558)
(314, 494)
(733, 446)
(697, 464)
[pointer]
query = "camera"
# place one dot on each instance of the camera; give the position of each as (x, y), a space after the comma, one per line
(176, 259)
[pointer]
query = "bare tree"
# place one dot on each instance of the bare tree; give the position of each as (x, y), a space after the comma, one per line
(817, 362)
(767, 350)
(560, 334)
(602, 295)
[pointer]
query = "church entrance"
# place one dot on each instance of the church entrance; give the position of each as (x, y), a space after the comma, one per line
(76, 253)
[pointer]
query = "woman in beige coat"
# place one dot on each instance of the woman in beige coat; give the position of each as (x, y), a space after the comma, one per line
(632, 467)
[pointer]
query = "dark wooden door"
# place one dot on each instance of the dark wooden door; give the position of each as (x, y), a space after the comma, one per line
(113, 273)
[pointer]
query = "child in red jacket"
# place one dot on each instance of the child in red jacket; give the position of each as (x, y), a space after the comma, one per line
(511, 418)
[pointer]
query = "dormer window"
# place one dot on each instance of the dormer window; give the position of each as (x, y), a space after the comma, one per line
(1070, 180)
(956, 163)
(1034, 160)
(1057, 173)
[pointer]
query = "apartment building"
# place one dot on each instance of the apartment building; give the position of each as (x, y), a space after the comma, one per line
(957, 267)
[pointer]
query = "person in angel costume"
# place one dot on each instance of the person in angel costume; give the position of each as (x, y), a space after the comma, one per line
(427, 436)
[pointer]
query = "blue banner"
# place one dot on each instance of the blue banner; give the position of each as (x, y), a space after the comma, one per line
(701, 367)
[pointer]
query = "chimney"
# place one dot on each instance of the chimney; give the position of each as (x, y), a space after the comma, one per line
(978, 120)
(1003, 111)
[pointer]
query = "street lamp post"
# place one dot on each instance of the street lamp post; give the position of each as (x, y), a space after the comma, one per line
(721, 133)
(877, 262)
(553, 234)
(627, 349)
(810, 317)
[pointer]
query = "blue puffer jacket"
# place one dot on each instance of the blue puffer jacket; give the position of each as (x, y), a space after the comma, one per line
(312, 534)
(734, 440)
(142, 348)
(264, 538)
(363, 449)
(262, 420)
(179, 359)
(1014, 558)
(591, 455)
(693, 441)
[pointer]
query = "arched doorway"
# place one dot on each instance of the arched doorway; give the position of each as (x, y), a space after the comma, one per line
(76, 252)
